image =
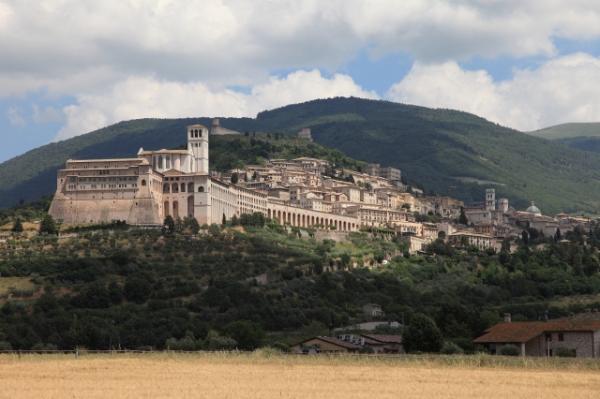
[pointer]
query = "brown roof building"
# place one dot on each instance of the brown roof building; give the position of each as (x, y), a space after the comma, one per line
(545, 338)
(323, 344)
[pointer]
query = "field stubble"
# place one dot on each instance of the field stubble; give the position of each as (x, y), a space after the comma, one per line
(169, 375)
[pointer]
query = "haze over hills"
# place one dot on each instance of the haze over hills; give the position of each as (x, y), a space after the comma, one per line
(446, 152)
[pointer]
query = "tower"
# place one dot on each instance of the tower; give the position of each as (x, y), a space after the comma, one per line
(503, 204)
(198, 144)
(490, 199)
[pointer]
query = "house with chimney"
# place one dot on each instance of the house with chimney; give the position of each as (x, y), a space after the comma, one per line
(578, 336)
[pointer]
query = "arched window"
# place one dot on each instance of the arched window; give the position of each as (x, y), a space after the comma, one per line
(200, 133)
(175, 187)
(201, 189)
(183, 187)
(190, 187)
(160, 162)
(143, 182)
(166, 188)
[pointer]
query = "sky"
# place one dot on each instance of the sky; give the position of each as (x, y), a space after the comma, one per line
(68, 67)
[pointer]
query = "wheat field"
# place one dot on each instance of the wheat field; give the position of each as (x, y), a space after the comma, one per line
(265, 377)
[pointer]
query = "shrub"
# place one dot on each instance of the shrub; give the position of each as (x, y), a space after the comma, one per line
(48, 226)
(565, 352)
(450, 348)
(422, 335)
(5, 346)
(509, 350)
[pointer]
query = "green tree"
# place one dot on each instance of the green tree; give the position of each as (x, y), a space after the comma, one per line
(48, 226)
(137, 289)
(169, 225)
(462, 219)
(235, 178)
(17, 226)
(192, 224)
(422, 335)
(248, 335)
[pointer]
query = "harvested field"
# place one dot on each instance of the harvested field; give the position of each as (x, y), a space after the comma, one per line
(168, 375)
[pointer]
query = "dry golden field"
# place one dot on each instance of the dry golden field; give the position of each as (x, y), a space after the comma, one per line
(164, 375)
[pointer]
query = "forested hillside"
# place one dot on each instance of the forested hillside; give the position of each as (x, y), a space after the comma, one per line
(581, 136)
(260, 284)
(446, 152)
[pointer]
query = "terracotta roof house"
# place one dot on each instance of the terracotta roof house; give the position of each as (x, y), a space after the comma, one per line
(545, 338)
(323, 344)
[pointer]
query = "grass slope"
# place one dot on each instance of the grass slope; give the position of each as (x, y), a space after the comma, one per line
(448, 152)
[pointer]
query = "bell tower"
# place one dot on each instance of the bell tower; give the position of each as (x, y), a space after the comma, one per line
(198, 144)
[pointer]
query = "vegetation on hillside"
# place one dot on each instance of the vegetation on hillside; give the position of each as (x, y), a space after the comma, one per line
(568, 131)
(252, 284)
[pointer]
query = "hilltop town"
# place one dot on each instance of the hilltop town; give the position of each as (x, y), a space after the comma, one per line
(302, 192)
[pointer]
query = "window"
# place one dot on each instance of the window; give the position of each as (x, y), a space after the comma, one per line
(548, 337)
(143, 182)
(561, 336)
(201, 189)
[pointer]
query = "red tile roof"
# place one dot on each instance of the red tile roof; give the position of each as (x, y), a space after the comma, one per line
(387, 339)
(334, 341)
(518, 332)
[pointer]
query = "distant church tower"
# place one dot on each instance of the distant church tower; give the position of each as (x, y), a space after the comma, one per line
(198, 145)
(490, 199)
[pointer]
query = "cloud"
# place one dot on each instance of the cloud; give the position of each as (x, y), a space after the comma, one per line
(140, 97)
(72, 46)
(15, 118)
(560, 90)
(47, 114)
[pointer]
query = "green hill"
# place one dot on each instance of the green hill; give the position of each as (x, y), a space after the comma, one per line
(568, 131)
(445, 151)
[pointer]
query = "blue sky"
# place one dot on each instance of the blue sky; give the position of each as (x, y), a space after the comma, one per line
(524, 64)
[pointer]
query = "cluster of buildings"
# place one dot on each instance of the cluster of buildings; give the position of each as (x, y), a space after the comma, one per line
(302, 192)
(493, 221)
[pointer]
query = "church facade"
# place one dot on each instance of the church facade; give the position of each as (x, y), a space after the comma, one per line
(145, 189)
